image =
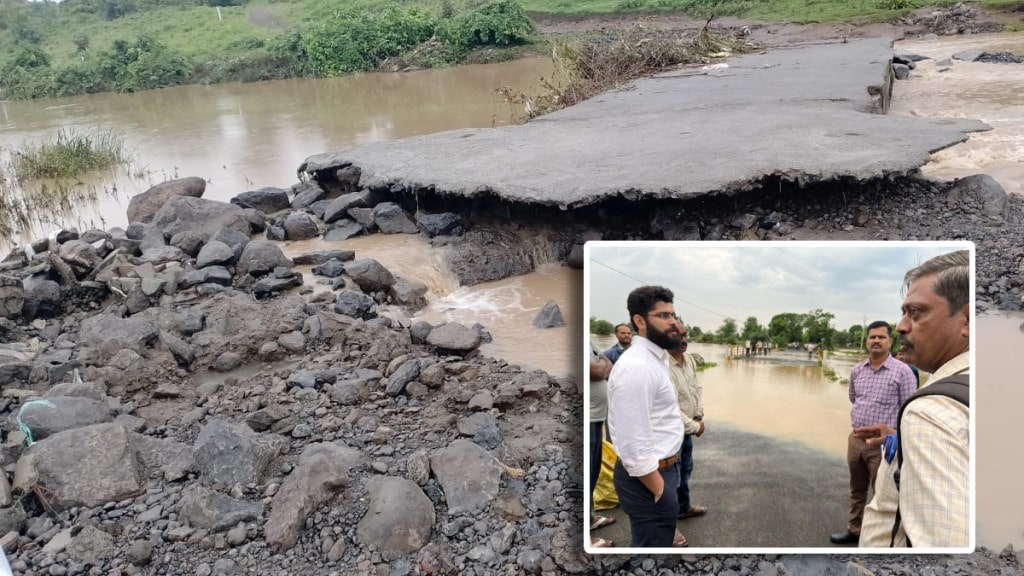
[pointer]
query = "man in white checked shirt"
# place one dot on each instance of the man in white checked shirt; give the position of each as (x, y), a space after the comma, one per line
(933, 492)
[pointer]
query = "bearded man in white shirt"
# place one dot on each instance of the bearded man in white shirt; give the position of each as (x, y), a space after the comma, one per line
(644, 422)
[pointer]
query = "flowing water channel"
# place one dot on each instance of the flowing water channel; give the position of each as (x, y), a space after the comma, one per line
(242, 137)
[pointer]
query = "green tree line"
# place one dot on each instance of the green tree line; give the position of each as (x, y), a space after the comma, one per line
(75, 47)
(815, 326)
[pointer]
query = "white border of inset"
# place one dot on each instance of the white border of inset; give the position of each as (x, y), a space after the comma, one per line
(843, 550)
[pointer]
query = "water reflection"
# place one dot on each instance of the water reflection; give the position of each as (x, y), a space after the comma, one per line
(243, 136)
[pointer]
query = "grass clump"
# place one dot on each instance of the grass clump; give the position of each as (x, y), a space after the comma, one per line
(585, 68)
(71, 155)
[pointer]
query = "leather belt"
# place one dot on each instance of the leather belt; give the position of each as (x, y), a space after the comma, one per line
(666, 462)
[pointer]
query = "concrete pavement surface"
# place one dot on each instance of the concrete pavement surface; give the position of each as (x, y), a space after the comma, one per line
(760, 493)
(802, 113)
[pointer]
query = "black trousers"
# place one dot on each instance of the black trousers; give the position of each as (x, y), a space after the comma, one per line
(651, 524)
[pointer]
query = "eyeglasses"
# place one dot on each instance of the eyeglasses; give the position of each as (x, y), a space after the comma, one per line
(666, 316)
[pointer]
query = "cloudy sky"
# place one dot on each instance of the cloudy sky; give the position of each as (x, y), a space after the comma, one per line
(715, 280)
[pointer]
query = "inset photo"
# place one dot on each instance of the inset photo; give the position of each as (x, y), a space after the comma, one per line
(790, 397)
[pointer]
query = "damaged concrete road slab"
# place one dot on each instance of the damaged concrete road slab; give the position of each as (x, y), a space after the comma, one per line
(801, 113)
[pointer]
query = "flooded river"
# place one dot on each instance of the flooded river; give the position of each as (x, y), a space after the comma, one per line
(242, 137)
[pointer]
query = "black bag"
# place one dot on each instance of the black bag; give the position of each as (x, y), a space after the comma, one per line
(956, 387)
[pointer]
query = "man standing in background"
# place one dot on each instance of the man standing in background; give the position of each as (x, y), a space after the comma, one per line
(878, 387)
(683, 372)
(624, 335)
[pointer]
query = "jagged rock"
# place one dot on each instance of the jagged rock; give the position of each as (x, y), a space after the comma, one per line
(173, 460)
(370, 275)
(400, 518)
(236, 239)
(215, 253)
(469, 476)
(189, 242)
(142, 207)
(454, 337)
(323, 470)
(306, 193)
(163, 254)
(391, 219)
(267, 200)
(355, 305)
(418, 467)
(233, 454)
(300, 226)
(58, 413)
(339, 207)
(443, 224)
(330, 269)
(92, 390)
(409, 292)
(278, 282)
(263, 419)
(321, 256)
(984, 191)
(211, 274)
(363, 217)
(485, 254)
(12, 297)
(550, 316)
(406, 373)
(343, 230)
(478, 423)
(901, 71)
(261, 257)
(81, 256)
(12, 518)
(203, 508)
(183, 354)
(108, 333)
(81, 467)
(205, 217)
(91, 546)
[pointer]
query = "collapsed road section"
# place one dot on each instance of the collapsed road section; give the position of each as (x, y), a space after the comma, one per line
(804, 114)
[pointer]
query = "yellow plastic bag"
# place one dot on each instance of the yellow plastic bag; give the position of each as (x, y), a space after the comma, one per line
(604, 494)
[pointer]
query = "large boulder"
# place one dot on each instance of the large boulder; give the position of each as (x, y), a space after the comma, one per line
(204, 217)
(83, 467)
(43, 299)
(454, 337)
(322, 472)
(443, 224)
(391, 219)
(469, 475)
(356, 305)
(400, 517)
(267, 200)
(550, 316)
(339, 207)
(232, 454)
(109, 333)
(143, 207)
(58, 413)
(203, 508)
(300, 226)
(370, 275)
(260, 257)
(984, 192)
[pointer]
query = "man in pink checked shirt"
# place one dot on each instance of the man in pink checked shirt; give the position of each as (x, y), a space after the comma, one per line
(878, 387)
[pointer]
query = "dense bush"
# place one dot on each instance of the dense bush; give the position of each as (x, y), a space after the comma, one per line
(349, 41)
(499, 23)
(142, 65)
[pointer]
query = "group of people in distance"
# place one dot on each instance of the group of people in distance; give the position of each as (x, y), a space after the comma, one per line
(909, 444)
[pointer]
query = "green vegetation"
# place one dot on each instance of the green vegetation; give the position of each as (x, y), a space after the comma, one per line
(40, 179)
(86, 46)
(50, 48)
(601, 327)
(71, 155)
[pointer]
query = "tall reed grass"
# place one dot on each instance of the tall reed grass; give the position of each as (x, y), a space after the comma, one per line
(71, 155)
